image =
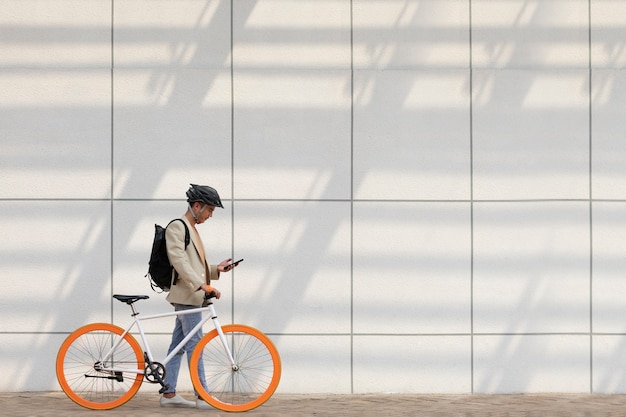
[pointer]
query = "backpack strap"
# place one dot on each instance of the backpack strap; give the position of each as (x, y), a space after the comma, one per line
(187, 239)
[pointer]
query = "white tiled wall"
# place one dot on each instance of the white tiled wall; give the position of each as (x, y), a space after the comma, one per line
(430, 195)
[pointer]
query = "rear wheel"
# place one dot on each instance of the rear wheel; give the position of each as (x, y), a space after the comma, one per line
(253, 380)
(84, 377)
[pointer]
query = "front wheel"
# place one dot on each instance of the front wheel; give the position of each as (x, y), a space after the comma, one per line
(88, 379)
(247, 385)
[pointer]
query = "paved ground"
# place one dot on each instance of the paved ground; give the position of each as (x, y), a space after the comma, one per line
(56, 404)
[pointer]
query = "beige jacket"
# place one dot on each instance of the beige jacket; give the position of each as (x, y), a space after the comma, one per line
(192, 272)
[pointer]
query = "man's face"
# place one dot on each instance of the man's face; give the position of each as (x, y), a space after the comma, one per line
(205, 214)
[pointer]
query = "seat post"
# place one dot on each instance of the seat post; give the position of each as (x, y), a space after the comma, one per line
(132, 307)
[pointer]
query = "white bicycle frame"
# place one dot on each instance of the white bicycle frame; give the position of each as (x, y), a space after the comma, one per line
(136, 321)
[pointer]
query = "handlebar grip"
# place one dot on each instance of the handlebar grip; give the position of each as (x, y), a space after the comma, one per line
(207, 298)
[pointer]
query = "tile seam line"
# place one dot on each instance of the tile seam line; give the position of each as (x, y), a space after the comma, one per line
(328, 200)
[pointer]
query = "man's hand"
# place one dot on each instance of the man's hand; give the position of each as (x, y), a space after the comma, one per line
(226, 266)
(209, 289)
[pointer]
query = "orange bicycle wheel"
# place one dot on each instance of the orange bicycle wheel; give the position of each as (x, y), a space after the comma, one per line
(83, 375)
(250, 383)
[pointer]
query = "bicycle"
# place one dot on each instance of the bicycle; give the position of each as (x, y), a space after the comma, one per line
(102, 366)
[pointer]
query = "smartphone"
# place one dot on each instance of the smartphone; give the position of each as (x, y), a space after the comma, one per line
(230, 265)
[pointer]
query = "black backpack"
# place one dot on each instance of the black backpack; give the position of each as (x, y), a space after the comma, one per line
(159, 267)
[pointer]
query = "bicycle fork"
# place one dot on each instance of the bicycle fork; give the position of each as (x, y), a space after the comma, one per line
(220, 332)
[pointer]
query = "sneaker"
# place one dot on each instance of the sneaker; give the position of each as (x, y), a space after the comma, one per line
(177, 401)
(203, 405)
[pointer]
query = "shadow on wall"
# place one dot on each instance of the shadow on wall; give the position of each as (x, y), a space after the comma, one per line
(393, 137)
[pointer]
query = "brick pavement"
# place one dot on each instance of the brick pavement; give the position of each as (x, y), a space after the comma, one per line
(44, 404)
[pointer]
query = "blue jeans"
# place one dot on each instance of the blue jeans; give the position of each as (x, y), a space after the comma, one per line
(184, 324)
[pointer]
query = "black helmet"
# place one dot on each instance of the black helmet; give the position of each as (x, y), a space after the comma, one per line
(204, 194)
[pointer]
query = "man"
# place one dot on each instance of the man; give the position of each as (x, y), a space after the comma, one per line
(191, 281)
